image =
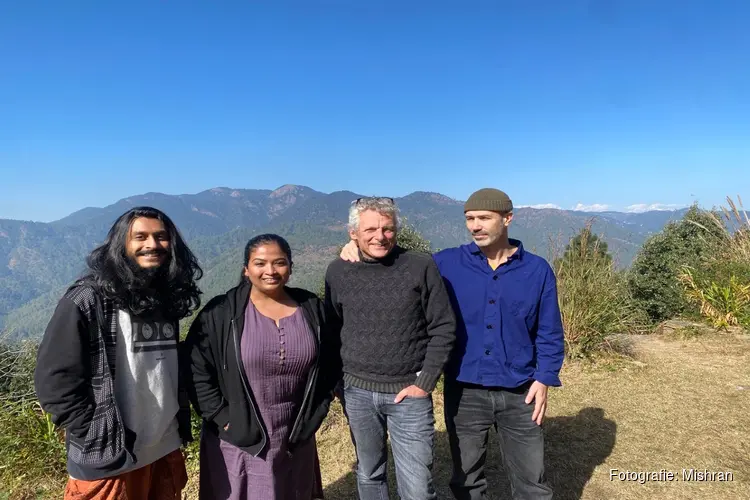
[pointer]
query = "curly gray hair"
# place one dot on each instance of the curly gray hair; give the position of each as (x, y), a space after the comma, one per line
(382, 205)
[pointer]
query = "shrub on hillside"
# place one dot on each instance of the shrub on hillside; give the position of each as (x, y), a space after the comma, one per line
(411, 239)
(653, 278)
(732, 227)
(593, 296)
(721, 288)
(29, 441)
(33, 457)
(586, 245)
(17, 361)
(723, 302)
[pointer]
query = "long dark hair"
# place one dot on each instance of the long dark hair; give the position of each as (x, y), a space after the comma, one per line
(171, 290)
(264, 239)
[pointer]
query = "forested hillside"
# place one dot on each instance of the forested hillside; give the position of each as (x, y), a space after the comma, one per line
(41, 259)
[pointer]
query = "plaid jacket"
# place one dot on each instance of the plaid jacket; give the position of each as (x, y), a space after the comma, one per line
(74, 381)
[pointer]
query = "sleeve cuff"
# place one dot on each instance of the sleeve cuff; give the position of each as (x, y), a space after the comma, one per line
(427, 381)
(548, 378)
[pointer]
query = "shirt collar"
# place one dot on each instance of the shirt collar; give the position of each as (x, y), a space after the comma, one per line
(518, 254)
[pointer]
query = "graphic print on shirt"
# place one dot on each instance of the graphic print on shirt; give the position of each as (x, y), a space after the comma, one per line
(147, 383)
(153, 335)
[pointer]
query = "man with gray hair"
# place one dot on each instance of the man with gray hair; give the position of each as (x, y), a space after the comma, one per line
(392, 316)
(510, 347)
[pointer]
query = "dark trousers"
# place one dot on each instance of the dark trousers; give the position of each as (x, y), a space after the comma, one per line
(470, 411)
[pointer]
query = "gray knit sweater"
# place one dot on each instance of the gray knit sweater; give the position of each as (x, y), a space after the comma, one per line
(393, 319)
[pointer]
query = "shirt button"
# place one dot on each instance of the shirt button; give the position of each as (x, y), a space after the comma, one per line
(489, 327)
(492, 301)
(487, 352)
(494, 277)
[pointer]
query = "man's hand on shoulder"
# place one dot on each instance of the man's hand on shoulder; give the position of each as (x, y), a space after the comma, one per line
(411, 392)
(538, 393)
(350, 252)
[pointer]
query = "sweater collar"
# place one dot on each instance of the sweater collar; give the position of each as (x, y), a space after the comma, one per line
(387, 260)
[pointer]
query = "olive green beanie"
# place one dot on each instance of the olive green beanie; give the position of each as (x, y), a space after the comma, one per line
(489, 199)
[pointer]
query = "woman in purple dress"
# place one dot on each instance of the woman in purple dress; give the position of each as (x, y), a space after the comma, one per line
(261, 373)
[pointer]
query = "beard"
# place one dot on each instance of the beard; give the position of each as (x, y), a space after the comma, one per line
(148, 288)
(489, 239)
(148, 277)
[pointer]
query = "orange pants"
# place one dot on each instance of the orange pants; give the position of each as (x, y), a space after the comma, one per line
(161, 480)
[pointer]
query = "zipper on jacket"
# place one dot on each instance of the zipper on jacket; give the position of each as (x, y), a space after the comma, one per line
(308, 390)
(101, 324)
(226, 347)
(247, 389)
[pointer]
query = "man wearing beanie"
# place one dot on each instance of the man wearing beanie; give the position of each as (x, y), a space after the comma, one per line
(509, 350)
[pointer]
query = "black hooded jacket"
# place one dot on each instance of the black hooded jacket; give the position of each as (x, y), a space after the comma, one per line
(216, 382)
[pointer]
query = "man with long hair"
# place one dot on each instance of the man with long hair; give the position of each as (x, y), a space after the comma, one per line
(107, 367)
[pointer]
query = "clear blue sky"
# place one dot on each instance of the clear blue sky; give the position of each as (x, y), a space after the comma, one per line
(610, 102)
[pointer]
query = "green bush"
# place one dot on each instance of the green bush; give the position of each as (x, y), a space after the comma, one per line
(723, 302)
(193, 448)
(721, 287)
(32, 461)
(653, 278)
(587, 245)
(17, 361)
(33, 457)
(411, 239)
(593, 296)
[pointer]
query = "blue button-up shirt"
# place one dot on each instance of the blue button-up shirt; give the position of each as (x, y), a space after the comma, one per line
(509, 328)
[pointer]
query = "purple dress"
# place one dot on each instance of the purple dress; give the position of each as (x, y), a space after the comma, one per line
(277, 361)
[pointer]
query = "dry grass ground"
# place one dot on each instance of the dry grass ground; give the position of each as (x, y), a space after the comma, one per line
(681, 402)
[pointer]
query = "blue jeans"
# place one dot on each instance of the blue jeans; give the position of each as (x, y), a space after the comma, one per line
(470, 411)
(411, 425)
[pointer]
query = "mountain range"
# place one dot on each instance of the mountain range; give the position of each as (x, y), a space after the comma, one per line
(38, 260)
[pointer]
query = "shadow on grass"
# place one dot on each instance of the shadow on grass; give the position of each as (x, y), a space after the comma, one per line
(574, 447)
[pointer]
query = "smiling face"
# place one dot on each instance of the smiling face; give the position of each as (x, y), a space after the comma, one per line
(375, 234)
(268, 268)
(487, 228)
(148, 242)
